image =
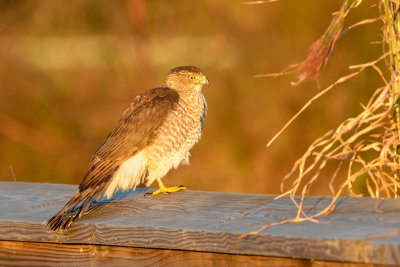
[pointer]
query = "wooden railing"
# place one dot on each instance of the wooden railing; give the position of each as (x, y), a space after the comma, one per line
(194, 228)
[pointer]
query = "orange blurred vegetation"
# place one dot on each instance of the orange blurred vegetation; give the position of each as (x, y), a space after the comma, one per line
(69, 69)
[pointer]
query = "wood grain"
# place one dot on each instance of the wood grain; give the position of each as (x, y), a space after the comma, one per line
(14, 253)
(361, 230)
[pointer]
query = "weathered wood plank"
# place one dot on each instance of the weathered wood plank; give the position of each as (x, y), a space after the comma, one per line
(210, 222)
(47, 254)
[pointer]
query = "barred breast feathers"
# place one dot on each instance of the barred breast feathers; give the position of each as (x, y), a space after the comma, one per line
(176, 136)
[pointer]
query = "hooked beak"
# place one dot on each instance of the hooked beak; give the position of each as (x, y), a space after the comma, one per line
(204, 80)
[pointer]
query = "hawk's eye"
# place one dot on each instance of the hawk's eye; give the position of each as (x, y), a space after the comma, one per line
(191, 77)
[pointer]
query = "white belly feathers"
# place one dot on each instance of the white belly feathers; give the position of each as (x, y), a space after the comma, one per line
(129, 175)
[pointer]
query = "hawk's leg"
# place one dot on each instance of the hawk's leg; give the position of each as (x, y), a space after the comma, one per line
(166, 190)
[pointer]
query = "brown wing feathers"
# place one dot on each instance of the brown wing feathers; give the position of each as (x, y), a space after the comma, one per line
(134, 131)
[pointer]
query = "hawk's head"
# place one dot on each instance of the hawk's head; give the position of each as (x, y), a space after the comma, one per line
(186, 78)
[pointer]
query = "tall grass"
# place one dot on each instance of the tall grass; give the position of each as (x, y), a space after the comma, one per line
(366, 146)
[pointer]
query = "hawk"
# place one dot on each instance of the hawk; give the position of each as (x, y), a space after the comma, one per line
(154, 135)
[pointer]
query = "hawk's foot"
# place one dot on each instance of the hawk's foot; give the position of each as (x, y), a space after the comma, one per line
(167, 190)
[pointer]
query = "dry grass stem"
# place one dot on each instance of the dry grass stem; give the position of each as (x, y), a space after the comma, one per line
(363, 22)
(288, 70)
(258, 2)
(364, 148)
(322, 49)
(340, 80)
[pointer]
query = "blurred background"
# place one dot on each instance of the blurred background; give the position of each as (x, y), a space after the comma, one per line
(68, 69)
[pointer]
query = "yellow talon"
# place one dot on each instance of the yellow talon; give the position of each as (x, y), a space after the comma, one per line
(167, 190)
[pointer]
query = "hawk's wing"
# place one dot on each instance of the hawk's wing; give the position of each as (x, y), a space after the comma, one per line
(133, 132)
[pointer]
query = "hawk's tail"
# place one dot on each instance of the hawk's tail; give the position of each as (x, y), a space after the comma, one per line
(71, 212)
(90, 190)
